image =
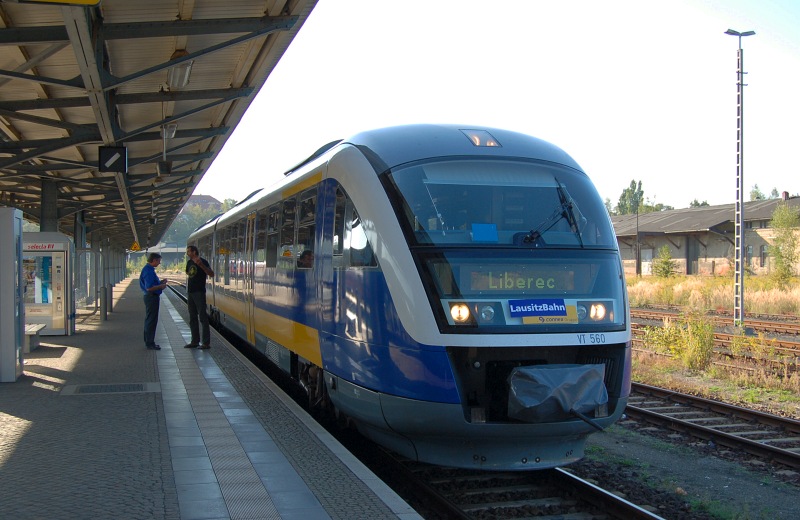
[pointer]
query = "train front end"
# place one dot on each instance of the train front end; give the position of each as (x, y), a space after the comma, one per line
(513, 297)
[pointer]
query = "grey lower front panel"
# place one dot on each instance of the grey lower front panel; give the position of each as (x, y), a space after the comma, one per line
(438, 433)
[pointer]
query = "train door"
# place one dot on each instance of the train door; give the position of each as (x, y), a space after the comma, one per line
(249, 275)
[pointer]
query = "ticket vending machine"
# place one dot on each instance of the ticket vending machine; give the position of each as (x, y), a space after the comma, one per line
(47, 260)
(12, 310)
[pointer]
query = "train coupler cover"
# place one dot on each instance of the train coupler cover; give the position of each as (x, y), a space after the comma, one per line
(546, 393)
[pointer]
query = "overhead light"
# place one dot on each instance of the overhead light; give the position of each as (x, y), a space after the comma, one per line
(178, 76)
(168, 130)
(158, 179)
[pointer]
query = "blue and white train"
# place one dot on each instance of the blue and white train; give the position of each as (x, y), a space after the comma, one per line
(455, 291)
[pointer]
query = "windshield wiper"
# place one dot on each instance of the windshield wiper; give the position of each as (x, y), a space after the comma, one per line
(567, 211)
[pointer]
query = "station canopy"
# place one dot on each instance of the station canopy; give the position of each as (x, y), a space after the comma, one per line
(114, 109)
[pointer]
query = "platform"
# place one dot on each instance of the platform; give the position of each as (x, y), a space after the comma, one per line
(100, 427)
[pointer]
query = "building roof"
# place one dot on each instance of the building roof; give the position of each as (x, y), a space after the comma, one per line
(204, 201)
(79, 82)
(716, 219)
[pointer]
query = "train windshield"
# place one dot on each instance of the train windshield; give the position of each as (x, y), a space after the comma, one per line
(511, 246)
(487, 202)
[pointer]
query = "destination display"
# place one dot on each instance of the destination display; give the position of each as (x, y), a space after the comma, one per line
(524, 279)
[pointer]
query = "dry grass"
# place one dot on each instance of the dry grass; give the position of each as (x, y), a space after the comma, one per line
(702, 294)
(679, 356)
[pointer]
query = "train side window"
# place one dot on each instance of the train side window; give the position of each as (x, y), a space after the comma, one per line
(306, 219)
(273, 233)
(287, 239)
(224, 260)
(233, 256)
(338, 227)
(261, 239)
(358, 248)
(241, 256)
(202, 247)
(308, 206)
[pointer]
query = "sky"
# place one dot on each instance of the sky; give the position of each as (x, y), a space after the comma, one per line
(638, 90)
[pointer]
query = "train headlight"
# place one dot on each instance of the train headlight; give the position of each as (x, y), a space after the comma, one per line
(487, 313)
(597, 312)
(460, 312)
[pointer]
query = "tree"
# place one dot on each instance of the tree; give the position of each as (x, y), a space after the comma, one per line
(609, 208)
(631, 199)
(663, 265)
(189, 219)
(228, 204)
(696, 204)
(756, 193)
(649, 207)
(785, 221)
(774, 194)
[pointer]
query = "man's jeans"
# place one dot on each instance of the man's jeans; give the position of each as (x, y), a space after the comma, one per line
(197, 307)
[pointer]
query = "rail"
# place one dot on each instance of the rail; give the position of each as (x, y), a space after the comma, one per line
(764, 435)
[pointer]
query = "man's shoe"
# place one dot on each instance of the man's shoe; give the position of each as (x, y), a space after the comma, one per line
(190, 345)
(154, 347)
(204, 347)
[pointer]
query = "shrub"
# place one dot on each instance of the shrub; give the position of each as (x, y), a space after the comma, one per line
(663, 264)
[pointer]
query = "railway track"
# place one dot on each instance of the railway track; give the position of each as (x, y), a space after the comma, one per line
(471, 494)
(789, 325)
(766, 436)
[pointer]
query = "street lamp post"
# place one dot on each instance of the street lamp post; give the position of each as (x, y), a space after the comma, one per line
(738, 284)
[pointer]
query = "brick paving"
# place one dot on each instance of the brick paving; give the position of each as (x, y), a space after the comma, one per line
(68, 455)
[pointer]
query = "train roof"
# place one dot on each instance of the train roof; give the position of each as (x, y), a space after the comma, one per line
(393, 146)
(397, 145)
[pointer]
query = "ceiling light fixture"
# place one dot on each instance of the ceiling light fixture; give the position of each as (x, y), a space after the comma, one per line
(178, 75)
(168, 131)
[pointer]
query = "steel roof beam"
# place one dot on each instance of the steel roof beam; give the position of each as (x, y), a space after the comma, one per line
(46, 167)
(180, 134)
(256, 33)
(36, 60)
(185, 158)
(40, 147)
(90, 54)
(38, 34)
(73, 83)
(129, 99)
(173, 119)
(45, 121)
(125, 31)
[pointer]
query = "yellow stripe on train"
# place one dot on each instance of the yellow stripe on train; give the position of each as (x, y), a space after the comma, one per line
(300, 339)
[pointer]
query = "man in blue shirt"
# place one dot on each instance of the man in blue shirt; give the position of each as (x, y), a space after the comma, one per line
(151, 288)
